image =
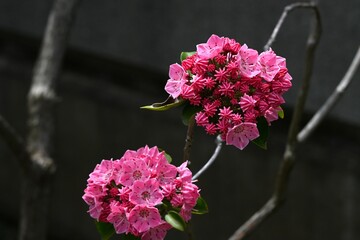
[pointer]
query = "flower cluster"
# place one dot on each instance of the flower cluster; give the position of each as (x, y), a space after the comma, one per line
(233, 85)
(135, 192)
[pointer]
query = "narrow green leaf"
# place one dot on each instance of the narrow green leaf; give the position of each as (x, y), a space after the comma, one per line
(263, 128)
(188, 112)
(201, 207)
(184, 55)
(167, 104)
(175, 220)
(106, 230)
(281, 113)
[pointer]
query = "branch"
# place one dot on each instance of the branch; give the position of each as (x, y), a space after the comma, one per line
(287, 10)
(41, 99)
(289, 155)
(42, 95)
(331, 101)
(188, 139)
(15, 143)
(218, 142)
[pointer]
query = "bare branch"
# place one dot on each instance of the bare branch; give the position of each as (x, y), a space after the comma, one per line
(15, 143)
(212, 159)
(289, 155)
(287, 10)
(255, 220)
(41, 98)
(331, 101)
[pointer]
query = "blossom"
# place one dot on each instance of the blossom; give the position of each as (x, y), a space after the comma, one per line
(132, 171)
(129, 192)
(247, 102)
(143, 218)
(241, 134)
(233, 84)
(156, 233)
(118, 218)
(177, 80)
(248, 61)
(268, 65)
(211, 48)
(146, 192)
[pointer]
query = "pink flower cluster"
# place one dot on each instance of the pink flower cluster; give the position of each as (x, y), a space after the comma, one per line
(233, 84)
(130, 192)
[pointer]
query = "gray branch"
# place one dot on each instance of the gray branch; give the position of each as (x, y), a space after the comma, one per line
(212, 159)
(288, 161)
(41, 100)
(15, 143)
(331, 101)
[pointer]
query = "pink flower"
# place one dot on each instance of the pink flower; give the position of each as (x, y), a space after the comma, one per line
(201, 119)
(241, 134)
(132, 171)
(184, 172)
(248, 61)
(268, 65)
(225, 113)
(247, 102)
(156, 233)
(271, 114)
(104, 172)
(177, 80)
(165, 172)
(143, 217)
(118, 218)
(210, 49)
(146, 192)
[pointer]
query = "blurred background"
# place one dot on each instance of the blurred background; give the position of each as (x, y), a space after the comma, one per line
(117, 61)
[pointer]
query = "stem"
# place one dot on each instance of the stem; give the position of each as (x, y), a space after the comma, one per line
(189, 138)
(288, 161)
(218, 142)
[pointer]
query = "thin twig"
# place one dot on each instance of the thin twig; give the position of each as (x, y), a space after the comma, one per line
(331, 101)
(212, 159)
(283, 16)
(15, 143)
(189, 138)
(288, 161)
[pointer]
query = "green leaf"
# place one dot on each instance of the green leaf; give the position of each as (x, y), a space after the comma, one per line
(106, 230)
(281, 113)
(175, 220)
(263, 128)
(184, 55)
(168, 157)
(201, 207)
(167, 104)
(129, 237)
(188, 112)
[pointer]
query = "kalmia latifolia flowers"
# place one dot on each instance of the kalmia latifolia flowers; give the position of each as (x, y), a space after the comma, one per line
(135, 192)
(233, 85)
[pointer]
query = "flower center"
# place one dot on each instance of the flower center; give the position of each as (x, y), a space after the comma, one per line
(137, 174)
(144, 213)
(239, 129)
(145, 195)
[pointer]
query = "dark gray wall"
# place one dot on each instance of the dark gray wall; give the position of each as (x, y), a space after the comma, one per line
(123, 65)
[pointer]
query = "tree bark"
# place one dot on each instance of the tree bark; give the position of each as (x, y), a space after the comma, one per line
(41, 100)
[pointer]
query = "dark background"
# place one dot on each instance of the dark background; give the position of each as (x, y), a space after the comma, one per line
(117, 61)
